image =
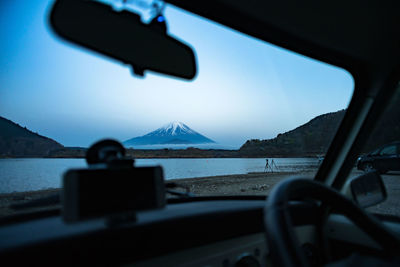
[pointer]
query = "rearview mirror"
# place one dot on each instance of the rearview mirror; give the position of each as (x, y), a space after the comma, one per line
(368, 189)
(122, 36)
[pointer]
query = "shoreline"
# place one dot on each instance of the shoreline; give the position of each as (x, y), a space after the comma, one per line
(225, 185)
(179, 157)
(181, 181)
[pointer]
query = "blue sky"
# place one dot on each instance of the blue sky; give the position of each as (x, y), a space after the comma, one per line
(244, 89)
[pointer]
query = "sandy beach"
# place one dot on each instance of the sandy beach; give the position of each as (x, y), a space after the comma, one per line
(242, 184)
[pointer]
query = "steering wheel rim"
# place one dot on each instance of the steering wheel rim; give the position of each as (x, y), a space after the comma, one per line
(281, 239)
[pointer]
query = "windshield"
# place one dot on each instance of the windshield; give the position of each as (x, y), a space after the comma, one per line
(253, 115)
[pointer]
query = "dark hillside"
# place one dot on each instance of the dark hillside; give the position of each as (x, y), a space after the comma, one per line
(17, 141)
(310, 139)
(388, 127)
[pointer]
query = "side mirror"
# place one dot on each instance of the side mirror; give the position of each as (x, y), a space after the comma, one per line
(122, 36)
(367, 190)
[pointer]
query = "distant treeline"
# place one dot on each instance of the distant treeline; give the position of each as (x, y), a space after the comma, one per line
(169, 153)
(154, 153)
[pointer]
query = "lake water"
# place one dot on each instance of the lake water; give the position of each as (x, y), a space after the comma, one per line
(17, 175)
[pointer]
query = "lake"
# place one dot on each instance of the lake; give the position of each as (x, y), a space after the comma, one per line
(17, 175)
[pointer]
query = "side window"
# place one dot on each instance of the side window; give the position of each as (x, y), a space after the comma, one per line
(384, 140)
(389, 150)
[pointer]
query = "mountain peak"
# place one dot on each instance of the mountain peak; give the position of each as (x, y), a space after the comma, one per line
(172, 133)
(176, 127)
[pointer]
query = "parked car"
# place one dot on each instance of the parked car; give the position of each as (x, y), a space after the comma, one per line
(383, 159)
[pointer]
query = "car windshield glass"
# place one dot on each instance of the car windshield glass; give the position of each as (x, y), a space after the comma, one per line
(254, 114)
(385, 141)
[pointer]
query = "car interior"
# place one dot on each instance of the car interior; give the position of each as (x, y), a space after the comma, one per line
(304, 221)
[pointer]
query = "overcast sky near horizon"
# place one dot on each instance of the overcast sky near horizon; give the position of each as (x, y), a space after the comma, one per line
(244, 88)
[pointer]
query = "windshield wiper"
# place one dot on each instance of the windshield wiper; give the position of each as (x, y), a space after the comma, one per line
(186, 194)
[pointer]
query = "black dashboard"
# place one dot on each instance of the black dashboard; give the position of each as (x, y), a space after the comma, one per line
(179, 226)
(197, 231)
(187, 232)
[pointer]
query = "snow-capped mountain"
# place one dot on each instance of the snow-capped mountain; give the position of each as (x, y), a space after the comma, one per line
(172, 133)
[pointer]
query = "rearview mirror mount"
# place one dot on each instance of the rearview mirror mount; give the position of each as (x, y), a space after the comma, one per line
(122, 36)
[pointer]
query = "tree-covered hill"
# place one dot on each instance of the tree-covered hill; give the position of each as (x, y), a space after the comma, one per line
(17, 141)
(310, 139)
(314, 137)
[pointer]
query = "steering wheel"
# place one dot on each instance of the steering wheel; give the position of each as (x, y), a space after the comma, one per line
(281, 239)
